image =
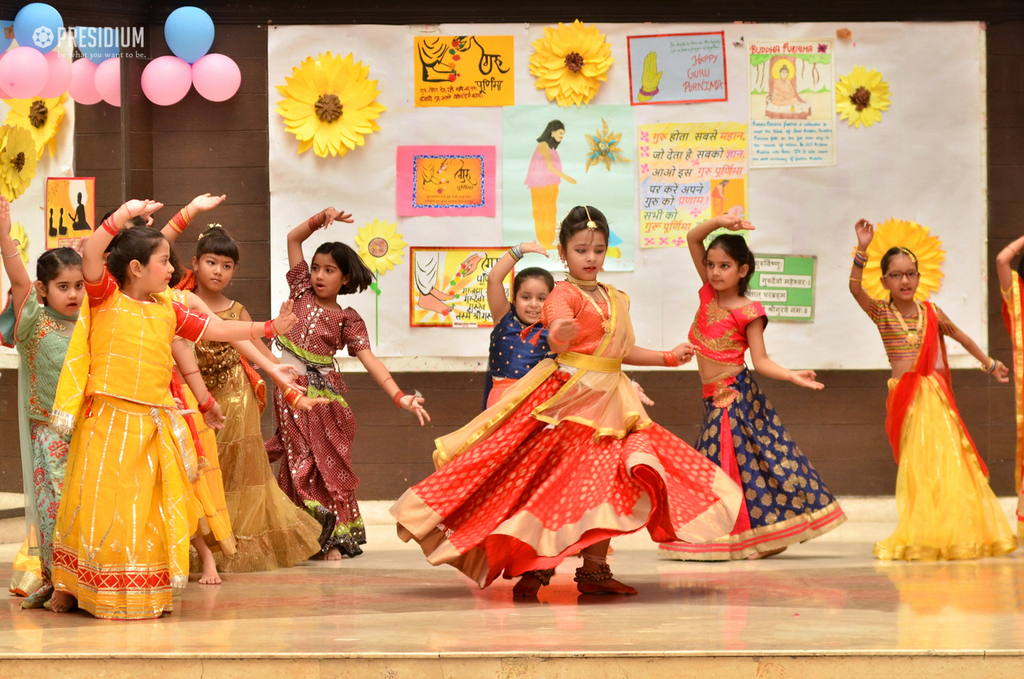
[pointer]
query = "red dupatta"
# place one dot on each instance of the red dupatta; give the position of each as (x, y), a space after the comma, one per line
(1013, 316)
(900, 398)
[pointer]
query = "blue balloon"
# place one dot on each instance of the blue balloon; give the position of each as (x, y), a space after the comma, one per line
(189, 33)
(5, 42)
(38, 25)
(98, 44)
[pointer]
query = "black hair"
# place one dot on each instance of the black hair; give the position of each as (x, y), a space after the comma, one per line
(52, 262)
(131, 244)
(178, 272)
(895, 252)
(104, 218)
(578, 219)
(737, 249)
(532, 272)
(553, 126)
(135, 222)
(350, 264)
(1020, 267)
(216, 241)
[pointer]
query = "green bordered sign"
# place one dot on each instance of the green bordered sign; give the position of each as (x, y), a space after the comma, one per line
(784, 284)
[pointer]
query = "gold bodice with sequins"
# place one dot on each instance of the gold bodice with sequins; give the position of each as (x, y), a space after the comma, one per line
(216, 359)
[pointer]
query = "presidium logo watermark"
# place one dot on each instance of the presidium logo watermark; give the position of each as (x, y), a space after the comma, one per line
(95, 42)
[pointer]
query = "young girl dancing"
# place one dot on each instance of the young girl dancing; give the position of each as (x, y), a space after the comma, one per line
(511, 355)
(39, 321)
(1010, 285)
(270, 530)
(567, 458)
(946, 508)
(316, 472)
(122, 532)
(785, 501)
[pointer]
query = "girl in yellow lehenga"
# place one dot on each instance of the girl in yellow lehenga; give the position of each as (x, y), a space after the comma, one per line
(123, 527)
(946, 508)
(1010, 284)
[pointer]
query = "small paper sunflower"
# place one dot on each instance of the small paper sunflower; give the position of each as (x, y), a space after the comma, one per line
(914, 237)
(604, 148)
(20, 238)
(861, 97)
(329, 104)
(570, 62)
(17, 161)
(41, 117)
(380, 247)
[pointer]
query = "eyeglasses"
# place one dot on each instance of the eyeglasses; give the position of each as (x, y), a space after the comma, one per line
(895, 276)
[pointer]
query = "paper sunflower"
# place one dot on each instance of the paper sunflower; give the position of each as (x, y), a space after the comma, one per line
(20, 238)
(379, 246)
(41, 117)
(570, 62)
(329, 104)
(17, 161)
(604, 148)
(861, 97)
(914, 237)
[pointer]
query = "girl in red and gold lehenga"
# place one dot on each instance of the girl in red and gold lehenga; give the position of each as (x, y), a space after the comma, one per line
(1011, 286)
(122, 532)
(567, 458)
(946, 508)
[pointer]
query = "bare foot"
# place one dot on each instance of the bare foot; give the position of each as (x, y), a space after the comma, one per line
(210, 575)
(333, 554)
(765, 555)
(606, 586)
(62, 602)
(527, 587)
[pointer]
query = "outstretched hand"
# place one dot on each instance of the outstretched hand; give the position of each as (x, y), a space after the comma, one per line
(286, 318)
(284, 375)
(644, 398)
(331, 215)
(733, 223)
(865, 233)
(1001, 373)
(214, 417)
(534, 247)
(414, 404)
(142, 208)
(805, 378)
(205, 203)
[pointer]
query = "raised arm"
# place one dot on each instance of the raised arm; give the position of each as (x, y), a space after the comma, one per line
(382, 376)
(865, 232)
(497, 300)
(695, 239)
(96, 244)
(1004, 262)
(21, 283)
(768, 367)
(181, 219)
(298, 235)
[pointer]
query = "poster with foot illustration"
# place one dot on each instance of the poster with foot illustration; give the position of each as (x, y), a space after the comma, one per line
(556, 158)
(448, 286)
(70, 213)
(792, 103)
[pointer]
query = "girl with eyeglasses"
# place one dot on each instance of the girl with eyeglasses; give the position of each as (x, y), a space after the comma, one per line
(946, 508)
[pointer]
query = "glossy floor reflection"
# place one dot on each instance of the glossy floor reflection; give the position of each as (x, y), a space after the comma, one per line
(821, 597)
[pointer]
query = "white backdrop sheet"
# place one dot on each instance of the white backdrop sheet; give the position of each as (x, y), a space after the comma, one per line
(925, 162)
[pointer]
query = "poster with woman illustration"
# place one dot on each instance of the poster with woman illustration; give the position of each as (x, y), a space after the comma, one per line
(792, 103)
(556, 158)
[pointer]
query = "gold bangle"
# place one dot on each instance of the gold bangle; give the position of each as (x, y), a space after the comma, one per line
(859, 280)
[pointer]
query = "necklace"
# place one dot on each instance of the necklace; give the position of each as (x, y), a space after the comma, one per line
(582, 285)
(912, 334)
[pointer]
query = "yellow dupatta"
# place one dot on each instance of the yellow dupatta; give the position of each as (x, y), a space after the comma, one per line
(67, 406)
(597, 395)
(1013, 316)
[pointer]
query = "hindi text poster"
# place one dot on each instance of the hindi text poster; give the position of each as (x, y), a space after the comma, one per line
(453, 181)
(678, 68)
(448, 286)
(464, 70)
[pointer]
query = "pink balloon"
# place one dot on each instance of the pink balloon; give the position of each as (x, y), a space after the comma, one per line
(216, 77)
(82, 87)
(58, 75)
(23, 72)
(166, 80)
(108, 80)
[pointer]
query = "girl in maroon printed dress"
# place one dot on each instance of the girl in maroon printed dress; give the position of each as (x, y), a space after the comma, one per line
(316, 446)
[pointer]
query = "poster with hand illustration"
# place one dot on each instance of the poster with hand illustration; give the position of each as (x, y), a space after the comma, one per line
(554, 159)
(792, 103)
(448, 286)
(464, 70)
(677, 68)
(70, 213)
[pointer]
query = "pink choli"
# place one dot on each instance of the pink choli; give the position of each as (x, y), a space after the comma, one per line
(718, 334)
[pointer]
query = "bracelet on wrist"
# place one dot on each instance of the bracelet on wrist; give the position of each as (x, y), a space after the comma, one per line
(208, 403)
(292, 396)
(399, 395)
(110, 226)
(318, 220)
(516, 252)
(671, 360)
(269, 329)
(991, 366)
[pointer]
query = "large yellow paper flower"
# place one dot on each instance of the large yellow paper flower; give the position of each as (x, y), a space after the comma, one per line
(17, 161)
(861, 97)
(20, 238)
(41, 117)
(914, 237)
(329, 104)
(379, 246)
(570, 62)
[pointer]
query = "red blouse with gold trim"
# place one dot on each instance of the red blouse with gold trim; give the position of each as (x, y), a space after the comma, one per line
(718, 334)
